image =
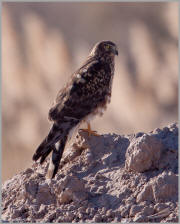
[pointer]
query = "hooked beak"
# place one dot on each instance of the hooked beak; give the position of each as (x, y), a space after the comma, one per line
(116, 52)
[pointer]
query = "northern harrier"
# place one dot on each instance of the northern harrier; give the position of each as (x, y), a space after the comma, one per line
(85, 96)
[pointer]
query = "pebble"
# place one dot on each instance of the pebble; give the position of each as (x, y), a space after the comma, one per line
(160, 206)
(140, 218)
(97, 218)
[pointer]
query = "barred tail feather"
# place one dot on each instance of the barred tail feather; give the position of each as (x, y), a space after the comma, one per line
(56, 157)
(55, 142)
(46, 145)
(43, 157)
(40, 151)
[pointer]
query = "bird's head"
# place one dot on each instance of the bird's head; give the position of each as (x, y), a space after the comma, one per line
(104, 48)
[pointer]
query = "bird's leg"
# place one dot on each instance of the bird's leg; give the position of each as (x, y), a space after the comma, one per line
(89, 130)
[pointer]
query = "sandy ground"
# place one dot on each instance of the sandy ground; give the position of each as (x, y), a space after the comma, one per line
(110, 178)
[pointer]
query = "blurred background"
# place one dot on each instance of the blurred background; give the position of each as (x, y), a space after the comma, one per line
(44, 43)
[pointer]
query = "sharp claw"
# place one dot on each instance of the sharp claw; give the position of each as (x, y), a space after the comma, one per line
(90, 132)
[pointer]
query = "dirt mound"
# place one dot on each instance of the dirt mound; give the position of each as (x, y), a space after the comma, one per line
(110, 178)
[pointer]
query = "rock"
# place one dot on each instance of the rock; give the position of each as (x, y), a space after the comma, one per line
(97, 218)
(44, 195)
(30, 188)
(125, 220)
(135, 209)
(160, 188)
(87, 190)
(160, 206)
(66, 196)
(140, 218)
(148, 210)
(165, 186)
(110, 213)
(143, 153)
(69, 216)
(89, 157)
(71, 189)
(41, 213)
(125, 210)
(145, 194)
(71, 153)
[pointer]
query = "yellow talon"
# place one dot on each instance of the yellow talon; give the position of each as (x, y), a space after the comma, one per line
(90, 131)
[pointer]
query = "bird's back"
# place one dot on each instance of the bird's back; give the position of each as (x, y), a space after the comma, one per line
(87, 89)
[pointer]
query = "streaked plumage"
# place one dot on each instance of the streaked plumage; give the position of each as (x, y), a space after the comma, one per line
(85, 96)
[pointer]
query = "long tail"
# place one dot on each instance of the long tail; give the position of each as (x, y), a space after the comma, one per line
(47, 145)
(55, 142)
(56, 157)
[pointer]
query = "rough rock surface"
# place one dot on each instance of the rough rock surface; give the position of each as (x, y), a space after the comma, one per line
(109, 178)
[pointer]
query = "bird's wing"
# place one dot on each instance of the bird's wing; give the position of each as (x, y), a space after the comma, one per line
(83, 93)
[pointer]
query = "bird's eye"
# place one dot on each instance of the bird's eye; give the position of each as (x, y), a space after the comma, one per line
(107, 47)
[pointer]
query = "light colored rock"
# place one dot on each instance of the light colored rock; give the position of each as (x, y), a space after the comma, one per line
(97, 218)
(71, 188)
(143, 153)
(160, 188)
(66, 196)
(165, 186)
(135, 209)
(30, 188)
(148, 210)
(139, 217)
(124, 210)
(145, 194)
(160, 206)
(44, 195)
(84, 189)
(110, 213)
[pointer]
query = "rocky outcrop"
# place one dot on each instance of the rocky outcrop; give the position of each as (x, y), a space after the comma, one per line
(109, 178)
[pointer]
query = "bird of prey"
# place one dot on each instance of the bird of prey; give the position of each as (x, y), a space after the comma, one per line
(86, 95)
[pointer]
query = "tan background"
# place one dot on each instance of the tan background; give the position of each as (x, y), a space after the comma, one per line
(43, 43)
